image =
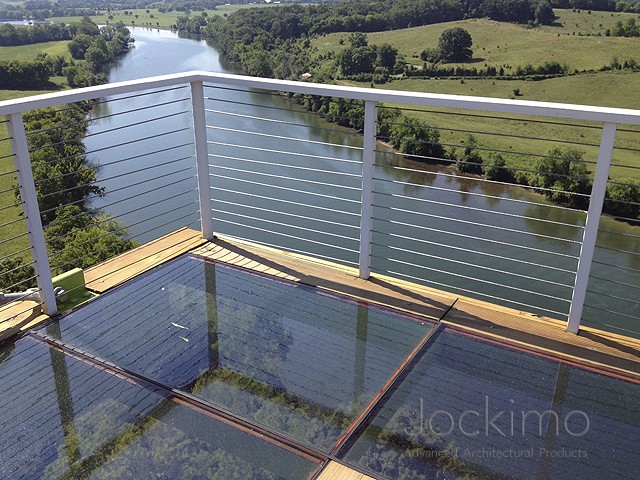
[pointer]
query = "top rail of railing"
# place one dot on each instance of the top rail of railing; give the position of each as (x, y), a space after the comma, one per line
(521, 107)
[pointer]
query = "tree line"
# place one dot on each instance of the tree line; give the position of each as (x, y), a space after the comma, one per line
(10, 35)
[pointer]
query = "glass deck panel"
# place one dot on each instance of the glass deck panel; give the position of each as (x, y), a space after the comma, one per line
(473, 409)
(62, 418)
(293, 359)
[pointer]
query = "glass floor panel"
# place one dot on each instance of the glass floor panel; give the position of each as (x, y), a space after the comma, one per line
(62, 418)
(468, 408)
(298, 361)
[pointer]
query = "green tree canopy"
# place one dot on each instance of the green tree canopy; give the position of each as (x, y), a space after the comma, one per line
(455, 45)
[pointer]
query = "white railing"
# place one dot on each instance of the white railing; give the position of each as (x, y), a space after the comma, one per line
(212, 150)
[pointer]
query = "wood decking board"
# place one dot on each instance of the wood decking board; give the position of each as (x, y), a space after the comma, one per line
(590, 346)
(17, 317)
(117, 270)
(336, 471)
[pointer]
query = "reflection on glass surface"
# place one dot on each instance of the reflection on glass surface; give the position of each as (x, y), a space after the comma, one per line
(285, 356)
(471, 409)
(63, 418)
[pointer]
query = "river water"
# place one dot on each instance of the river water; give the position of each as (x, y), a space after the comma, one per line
(450, 261)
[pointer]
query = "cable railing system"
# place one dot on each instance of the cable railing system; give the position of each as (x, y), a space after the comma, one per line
(529, 205)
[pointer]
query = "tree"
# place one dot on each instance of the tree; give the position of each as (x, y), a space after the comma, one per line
(563, 176)
(471, 161)
(455, 45)
(623, 198)
(544, 13)
(386, 56)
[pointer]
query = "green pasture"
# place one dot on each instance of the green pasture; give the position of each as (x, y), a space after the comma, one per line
(510, 45)
(29, 52)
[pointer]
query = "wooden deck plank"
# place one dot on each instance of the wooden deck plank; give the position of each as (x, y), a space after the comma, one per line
(17, 317)
(329, 276)
(590, 346)
(117, 270)
(336, 471)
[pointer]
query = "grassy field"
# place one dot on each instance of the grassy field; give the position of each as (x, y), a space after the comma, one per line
(154, 18)
(510, 45)
(29, 52)
(503, 44)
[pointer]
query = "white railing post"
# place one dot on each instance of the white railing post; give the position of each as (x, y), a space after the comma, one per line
(27, 187)
(366, 211)
(598, 191)
(202, 158)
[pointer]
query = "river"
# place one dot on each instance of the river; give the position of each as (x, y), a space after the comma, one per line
(447, 257)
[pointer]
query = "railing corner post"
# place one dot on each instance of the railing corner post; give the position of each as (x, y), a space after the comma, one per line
(31, 210)
(592, 224)
(366, 212)
(202, 158)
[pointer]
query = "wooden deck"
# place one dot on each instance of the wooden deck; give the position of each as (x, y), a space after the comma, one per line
(591, 347)
(336, 471)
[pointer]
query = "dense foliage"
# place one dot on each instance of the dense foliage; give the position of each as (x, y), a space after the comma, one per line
(27, 75)
(10, 35)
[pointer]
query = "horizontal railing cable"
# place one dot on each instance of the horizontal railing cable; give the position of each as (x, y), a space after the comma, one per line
(281, 152)
(480, 267)
(287, 225)
(496, 117)
(295, 237)
(118, 176)
(146, 154)
(295, 250)
(469, 222)
(295, 179)
(485, 180)
(289, 202)
(285, 122)
(13, 254)
(473, 194)
(477, 209)
(121, 229)
(481, 149)
(288, 189)
(283, 137)
(477, 252)
(121, 97)
(287, 214)
(140, 109)
(621, 267)
(15, 237)
(474, 238)
(472, 292)
(110, 218)
(135, 124)
(126, 187)
(618, 297)
(499, 134)
(284, 165)
(616, 282)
